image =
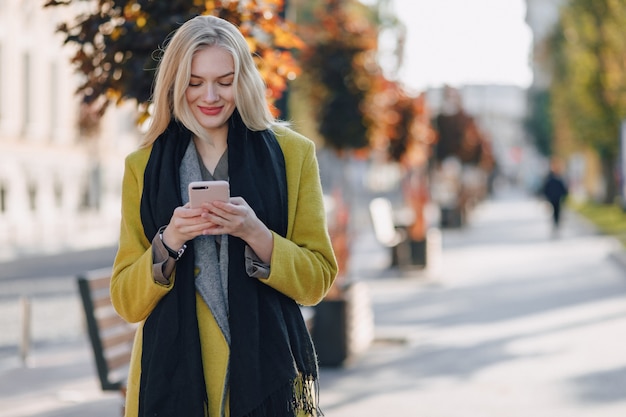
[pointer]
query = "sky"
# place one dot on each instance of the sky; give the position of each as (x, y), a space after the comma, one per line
(460, 42)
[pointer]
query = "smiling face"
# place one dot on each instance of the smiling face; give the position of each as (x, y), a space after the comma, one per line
(210, 93)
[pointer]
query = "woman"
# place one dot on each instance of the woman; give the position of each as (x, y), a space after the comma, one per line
(216, 289)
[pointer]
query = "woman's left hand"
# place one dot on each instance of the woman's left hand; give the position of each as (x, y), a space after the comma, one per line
(238, 219)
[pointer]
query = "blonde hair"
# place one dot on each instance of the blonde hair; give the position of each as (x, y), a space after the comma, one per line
(174, 70)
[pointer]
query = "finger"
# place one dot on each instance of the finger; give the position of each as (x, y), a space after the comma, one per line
(237, 207)
(238, 201)
(216, 217)
(189, 222)
(187, 213)
(219, 209)
(197, 229)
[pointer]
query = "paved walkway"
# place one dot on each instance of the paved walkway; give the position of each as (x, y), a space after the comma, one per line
(517, 323)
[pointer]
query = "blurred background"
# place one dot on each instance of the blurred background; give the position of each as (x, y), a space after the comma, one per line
(446, 92)
(421, 111)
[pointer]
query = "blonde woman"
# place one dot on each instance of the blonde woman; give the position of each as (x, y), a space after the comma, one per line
(217, 289)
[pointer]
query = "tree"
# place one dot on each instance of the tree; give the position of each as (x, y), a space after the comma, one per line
(405, 135)
(538, 123)
(589, 72)
(341, 63)
(117, 44)
(460, 136)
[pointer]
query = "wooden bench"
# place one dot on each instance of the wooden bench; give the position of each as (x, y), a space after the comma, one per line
(111, 337)
(387, 234)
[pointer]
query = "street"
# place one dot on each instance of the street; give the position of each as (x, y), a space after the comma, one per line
(58, 377)
(48, 285)
(518, 322)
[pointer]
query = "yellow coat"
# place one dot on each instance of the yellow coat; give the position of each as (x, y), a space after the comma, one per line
(303, 264)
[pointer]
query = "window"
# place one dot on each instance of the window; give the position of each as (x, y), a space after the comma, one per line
(26, 90)
(58, 193)
(3, 198)
(32, 196)
(92, 189)
(54, 94)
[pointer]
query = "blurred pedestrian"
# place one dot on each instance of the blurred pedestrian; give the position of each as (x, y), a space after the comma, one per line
(217, 289)
(555, 191)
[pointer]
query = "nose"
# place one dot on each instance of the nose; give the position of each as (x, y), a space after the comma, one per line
(211, 94)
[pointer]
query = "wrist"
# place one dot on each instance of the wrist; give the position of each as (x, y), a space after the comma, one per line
(262, 243)
(173, 253)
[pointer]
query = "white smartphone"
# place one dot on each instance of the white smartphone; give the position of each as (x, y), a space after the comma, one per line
(207, 191)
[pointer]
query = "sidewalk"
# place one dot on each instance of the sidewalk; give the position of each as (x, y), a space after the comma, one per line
(59, 381)
(518, 323)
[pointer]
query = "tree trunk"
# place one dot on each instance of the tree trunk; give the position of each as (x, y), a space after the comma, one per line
(608, 172)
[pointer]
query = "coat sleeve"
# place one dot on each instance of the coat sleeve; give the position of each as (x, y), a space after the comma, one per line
(134, 292)
(303, 264)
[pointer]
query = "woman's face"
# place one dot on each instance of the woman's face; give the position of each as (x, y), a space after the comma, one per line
(210, 94)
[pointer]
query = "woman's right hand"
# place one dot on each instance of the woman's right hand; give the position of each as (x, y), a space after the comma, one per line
(186, 223)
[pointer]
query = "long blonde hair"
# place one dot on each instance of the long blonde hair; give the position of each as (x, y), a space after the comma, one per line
(174, 70)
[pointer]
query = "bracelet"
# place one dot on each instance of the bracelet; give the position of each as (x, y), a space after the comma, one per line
(173, 253)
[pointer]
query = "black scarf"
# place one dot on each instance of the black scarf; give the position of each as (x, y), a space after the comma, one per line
(270, 345)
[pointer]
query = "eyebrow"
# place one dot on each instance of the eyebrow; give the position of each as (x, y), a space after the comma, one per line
(219, 76)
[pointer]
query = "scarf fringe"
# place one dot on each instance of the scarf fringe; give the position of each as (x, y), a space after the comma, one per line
(299, 398)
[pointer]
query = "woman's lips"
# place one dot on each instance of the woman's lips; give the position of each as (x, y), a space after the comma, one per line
(210, 111)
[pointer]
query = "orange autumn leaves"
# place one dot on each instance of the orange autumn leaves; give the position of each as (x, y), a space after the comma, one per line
(270, 38)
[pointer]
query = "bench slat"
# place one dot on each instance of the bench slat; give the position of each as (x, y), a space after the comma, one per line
(387, 233)
(385, 230)
(109, 321)
(116, 339)
(111, 336)
(99, 282)
(119, 360)
(102, 301)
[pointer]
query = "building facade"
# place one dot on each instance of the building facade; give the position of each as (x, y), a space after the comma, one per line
(541, 17)
(59, 188)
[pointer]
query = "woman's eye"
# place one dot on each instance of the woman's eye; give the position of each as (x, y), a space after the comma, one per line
(195, 82)
(226, 84)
